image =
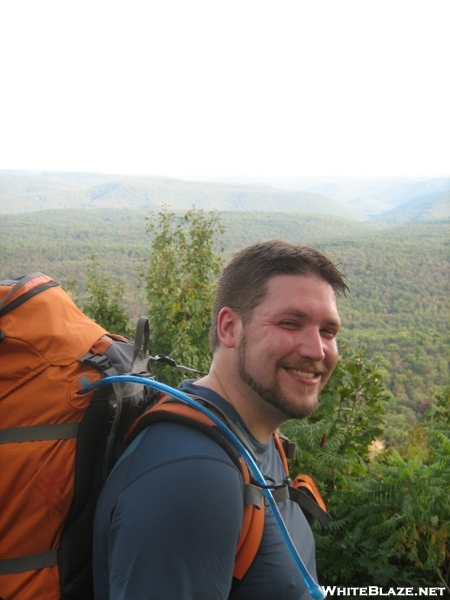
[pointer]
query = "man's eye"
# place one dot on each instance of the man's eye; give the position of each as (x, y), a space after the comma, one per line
(329, 333)
(289, 324)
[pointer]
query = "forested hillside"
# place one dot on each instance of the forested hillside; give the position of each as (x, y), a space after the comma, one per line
(61, 241)
(25, 192)
(359, 199)
(368, 197)
(397, 308)
(432, 207)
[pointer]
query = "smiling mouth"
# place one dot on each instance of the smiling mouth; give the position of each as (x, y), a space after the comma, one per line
(305, 374)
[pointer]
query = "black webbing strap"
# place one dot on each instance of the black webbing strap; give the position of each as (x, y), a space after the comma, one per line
(304, 500)
(31, 562)
(252, 495)
(37, 433)
(280, 494)
(100, 362)
(7, 307)
(309, 505)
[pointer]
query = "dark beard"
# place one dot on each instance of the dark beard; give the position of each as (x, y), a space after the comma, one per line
(271, 394)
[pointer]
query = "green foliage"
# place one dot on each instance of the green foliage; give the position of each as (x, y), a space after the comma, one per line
(59, 243)
(180, 284)
(104, 300)
(335, 441)
(391, 513)
(437, 416)
(391, 527)
(397, 307)
(390, 508)
(398, 279)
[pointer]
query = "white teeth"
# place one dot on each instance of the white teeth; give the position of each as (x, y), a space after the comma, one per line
(304, 374)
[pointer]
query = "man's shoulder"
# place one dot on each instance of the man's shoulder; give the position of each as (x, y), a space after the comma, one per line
(173, 442)
(171, 439)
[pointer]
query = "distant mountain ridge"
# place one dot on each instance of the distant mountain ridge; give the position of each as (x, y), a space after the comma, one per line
(425, 209)
(387, 201)
(369, 197)
(26, 192)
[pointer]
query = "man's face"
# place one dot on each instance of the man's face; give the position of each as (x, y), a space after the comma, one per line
(287, 349)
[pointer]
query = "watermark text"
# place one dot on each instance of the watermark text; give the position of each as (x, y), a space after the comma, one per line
(373, 590)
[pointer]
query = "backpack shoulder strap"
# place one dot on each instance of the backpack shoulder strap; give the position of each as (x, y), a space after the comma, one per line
(305, 492)
(302, 490)
(279, 444)
(166, 409)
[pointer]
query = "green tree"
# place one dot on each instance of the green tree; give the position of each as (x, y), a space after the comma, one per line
(391, 512)
(399, 529)
(180, 281)
(335, 441)
(103, 304)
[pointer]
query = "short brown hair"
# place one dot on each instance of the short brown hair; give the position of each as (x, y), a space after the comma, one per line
(243, 284)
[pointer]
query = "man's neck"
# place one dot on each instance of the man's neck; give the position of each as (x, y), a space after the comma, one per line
(261, 419)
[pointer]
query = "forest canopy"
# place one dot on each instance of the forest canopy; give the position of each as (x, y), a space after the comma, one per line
(380, 437)
(396, 312)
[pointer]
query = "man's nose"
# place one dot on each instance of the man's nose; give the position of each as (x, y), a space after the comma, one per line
(311, 345)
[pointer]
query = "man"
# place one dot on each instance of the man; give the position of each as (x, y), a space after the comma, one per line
(170, 515)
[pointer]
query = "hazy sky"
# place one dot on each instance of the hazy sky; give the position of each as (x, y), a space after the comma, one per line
(206, 88)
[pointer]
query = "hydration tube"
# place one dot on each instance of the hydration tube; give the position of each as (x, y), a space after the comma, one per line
(314, 588)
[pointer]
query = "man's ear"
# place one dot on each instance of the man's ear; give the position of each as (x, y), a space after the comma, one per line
(229, 326)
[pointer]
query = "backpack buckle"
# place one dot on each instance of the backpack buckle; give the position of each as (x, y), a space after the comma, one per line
(98, 361)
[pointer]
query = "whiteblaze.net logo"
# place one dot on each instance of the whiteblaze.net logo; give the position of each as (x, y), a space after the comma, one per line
(373, 590)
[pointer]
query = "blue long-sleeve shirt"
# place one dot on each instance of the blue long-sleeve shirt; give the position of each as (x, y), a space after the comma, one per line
(169, 518)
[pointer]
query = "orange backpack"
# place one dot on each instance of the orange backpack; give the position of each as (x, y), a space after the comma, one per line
(58, 446)
(53, 441)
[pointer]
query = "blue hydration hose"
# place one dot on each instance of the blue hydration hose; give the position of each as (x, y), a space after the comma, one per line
(314, 588)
